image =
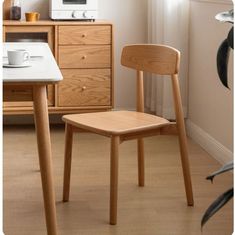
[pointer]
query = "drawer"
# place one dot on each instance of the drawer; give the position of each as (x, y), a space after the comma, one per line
(85, 87)
(16, 93)
(84, 35)
(85, 56)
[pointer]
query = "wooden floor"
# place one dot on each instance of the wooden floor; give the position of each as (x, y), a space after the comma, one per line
(157, 209)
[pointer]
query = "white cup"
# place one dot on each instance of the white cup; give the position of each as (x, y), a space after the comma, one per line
(17, 57)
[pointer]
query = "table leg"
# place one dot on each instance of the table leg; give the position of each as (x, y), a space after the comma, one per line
(45, 158)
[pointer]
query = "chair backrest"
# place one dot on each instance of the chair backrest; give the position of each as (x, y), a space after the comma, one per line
(158, 59)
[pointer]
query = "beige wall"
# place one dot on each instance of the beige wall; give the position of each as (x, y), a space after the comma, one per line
(210, 104)
(130, 22)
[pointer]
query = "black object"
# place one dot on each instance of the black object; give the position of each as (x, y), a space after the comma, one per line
(75, 2)
(15, 13)
(216, 205)
(228, 167)
(223, 56)
(222, 199)
(230, 38)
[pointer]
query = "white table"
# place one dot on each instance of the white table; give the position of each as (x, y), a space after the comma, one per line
(43, 71)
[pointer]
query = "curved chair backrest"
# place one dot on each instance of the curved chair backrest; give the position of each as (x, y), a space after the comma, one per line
(158, 59)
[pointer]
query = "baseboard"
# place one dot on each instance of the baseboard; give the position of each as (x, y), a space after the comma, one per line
(208, 143)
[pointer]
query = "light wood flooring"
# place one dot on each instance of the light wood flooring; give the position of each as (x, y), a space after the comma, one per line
(157, 209)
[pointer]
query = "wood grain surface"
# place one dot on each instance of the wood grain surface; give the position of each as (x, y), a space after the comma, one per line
(158, 59)
(69, 35)
(85, 87)
(157, 209)
(84, 56)
(64, 38)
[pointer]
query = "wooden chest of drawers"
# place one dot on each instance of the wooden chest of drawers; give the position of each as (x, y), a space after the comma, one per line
(84, 53)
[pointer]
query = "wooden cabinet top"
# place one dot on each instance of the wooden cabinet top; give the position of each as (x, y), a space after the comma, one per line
(52, 22)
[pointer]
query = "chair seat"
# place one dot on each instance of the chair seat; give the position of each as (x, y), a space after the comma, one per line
(115, 122)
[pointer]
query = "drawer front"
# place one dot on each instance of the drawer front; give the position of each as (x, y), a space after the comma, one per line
(84, 35)
(85, 87)
(85, 56)
(16, 93)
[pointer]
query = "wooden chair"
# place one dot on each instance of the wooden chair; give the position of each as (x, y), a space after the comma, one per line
(127, 125)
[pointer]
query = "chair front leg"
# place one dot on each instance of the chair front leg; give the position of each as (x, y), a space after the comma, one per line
(67, 160)
(115, 141)
(140, 145)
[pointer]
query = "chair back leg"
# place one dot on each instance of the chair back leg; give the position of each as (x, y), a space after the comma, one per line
(114, 155)
(140, 108)
(140, 143)
(67, 161)
(182, 139)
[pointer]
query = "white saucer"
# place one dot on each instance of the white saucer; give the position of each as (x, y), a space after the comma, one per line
(26, 64)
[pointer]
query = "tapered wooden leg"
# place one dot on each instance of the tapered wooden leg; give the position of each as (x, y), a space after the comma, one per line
(182, 140)
(67, 160)
(185, 166)
(114, 179)
(45, 158)
(140, 108)
(140, 143)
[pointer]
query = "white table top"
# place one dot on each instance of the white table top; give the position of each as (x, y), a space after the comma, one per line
(44, 68)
